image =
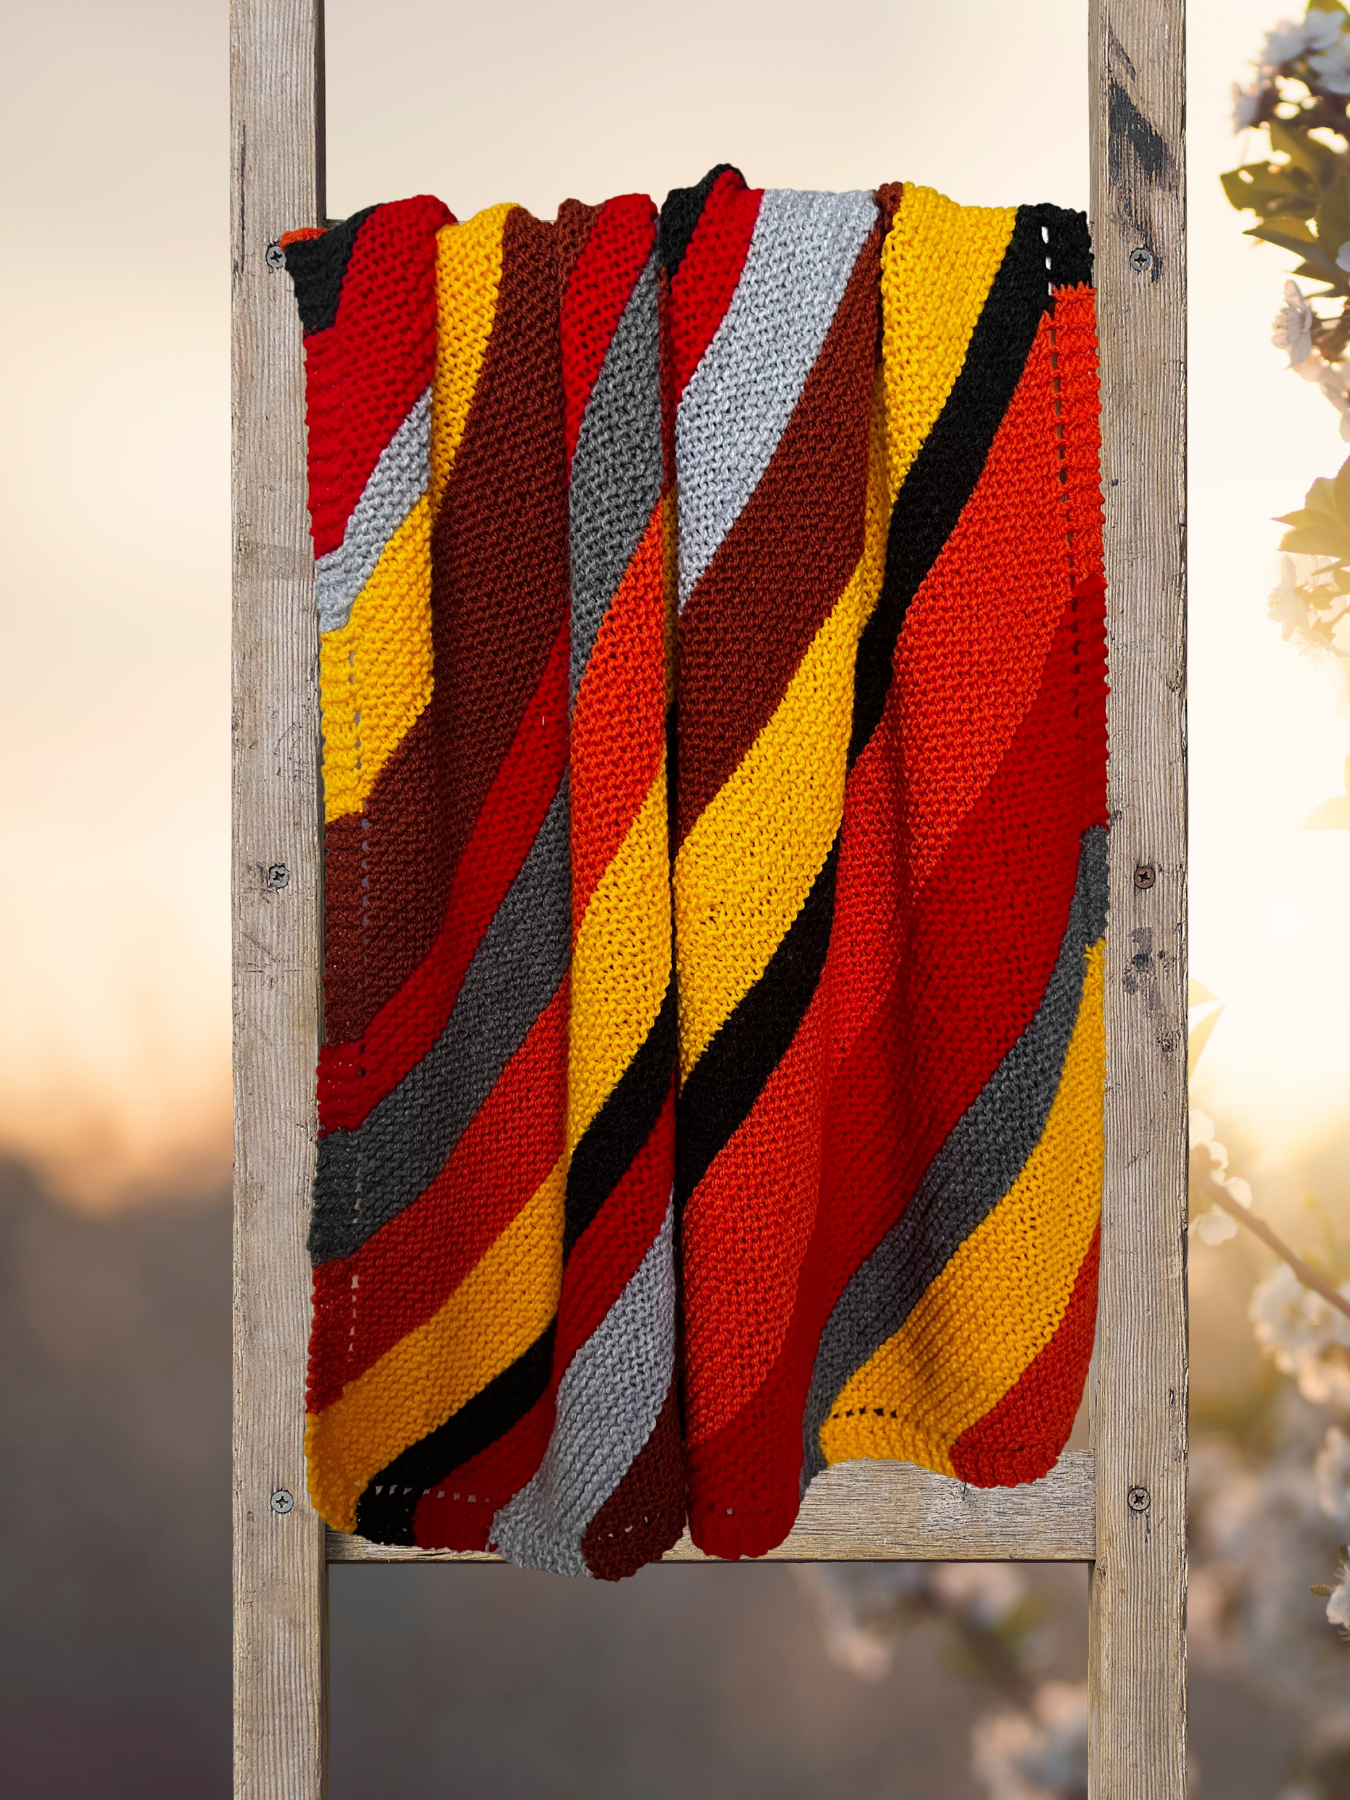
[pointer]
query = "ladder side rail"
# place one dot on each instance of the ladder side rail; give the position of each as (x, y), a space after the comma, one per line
(280, 1572)
(1138, 1386)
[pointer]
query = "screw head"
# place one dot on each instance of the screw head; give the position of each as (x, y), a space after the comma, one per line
(1145, 875)
(274, 256)
(282, 1501)
(1141, 260)
(1138, 1499)
(276, 877)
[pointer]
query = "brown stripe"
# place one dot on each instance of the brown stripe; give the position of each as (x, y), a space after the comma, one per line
(887, 197)
(644, 1516)
(498, 596)
(575, 219)
(378, 923)
(785, 561)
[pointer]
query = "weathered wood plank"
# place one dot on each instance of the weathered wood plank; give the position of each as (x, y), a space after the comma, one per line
(280, 1578)
(1137, 1653)
(889, 1512)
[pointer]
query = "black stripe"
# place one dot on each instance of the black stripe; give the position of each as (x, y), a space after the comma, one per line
(1069, 249)
(728, 1078)
(952, 457)
(622, 1125)
(386, 1517)
(681, 213)
(316, 267)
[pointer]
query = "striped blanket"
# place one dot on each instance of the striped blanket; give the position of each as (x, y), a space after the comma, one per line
(713, 694)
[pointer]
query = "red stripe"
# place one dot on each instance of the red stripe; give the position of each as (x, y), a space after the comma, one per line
(706, 279)
(457, 1513)
(365, 1303)
(1075, 341)
(354, 1077)
(1020, 1439)
(614, 255)
(364, 373)
(746, 1230)
(915, 1060)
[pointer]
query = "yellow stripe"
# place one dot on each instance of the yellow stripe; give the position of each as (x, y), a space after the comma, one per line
(468, 279)
(492, 1318)
(937, 266)
(375, 672)
(1001, 1298)
(747, 865)
(620, 961)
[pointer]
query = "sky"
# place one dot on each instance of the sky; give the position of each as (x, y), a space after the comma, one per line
(114, 521)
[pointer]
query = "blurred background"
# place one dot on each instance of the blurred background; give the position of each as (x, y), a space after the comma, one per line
(114, 1026)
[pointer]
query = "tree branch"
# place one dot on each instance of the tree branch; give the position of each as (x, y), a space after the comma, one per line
(1307, 1275)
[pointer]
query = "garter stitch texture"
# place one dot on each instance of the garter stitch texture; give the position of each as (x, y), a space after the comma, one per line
(712, 641)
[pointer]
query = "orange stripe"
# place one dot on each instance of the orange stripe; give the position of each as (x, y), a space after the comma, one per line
(975, 638)
(618, 726)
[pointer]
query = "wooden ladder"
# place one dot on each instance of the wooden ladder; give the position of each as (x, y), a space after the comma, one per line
(1118, 1506)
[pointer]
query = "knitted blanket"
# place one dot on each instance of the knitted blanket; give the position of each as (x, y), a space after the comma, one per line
(713, 694)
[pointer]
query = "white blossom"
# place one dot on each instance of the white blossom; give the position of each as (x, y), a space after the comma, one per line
(1343, 256)
(1209, 1170)
(1307, 1336)
(1258, 1538)
(1246, 107)
(1338, 1604)
(1288, 607)
(1332, 1470)
(1332, 65)
(1040, 1755)
(1292, 326)
(1288, 41)
(1214, 1227)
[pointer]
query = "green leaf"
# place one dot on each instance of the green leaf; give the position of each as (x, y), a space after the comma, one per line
(1333, 218)
(1298, 235)
(1304, 152)
(1318, 265)
(1197, 993)
(1318, 540)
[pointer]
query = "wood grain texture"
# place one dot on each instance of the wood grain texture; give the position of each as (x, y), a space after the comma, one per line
(889, 1512)
(1138, 1390)
(280, 1577)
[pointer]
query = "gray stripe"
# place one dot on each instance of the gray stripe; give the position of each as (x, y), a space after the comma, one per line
(609, 1400)
(971, 1173)
(396, 484)
(366, 1176)
(616, 472)
(741, 396)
